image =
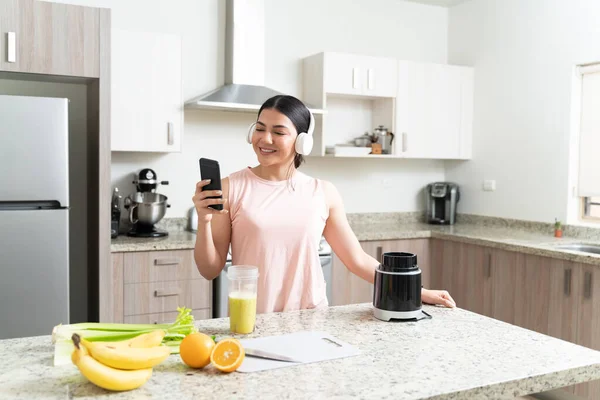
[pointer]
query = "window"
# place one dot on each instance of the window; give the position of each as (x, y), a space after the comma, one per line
(589, 143)
(591, 207)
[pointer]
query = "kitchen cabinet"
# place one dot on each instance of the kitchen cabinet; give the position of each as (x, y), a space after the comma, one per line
(49, 38)
(147, 99)
(543, 294)
(428, 107)
(148, 287)
(587, 283)
(348, 288)
(434, 111)
(355, 74)
(464, 270)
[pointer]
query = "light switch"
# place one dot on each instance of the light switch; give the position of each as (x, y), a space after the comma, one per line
(489, 185)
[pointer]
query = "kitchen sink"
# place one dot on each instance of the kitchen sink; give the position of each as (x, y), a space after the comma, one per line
(582, 247)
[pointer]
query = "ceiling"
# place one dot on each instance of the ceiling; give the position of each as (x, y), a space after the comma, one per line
(442, 3)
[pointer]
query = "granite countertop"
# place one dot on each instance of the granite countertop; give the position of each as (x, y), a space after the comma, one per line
(507, 238)
(455, 355)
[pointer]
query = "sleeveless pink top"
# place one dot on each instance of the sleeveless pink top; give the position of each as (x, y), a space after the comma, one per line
(278, 229)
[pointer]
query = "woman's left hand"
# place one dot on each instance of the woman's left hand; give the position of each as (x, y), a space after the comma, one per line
(436, 297)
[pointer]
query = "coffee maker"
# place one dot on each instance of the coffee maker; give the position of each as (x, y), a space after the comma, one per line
(145, 206)
(441, 200)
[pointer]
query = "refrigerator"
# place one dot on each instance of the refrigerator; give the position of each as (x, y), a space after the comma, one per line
(34, 215)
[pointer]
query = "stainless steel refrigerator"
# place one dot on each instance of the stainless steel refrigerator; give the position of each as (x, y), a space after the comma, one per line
(34, 215)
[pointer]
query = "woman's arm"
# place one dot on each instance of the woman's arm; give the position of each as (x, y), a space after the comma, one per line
(342, 239)
(213, 236)
(346, 246)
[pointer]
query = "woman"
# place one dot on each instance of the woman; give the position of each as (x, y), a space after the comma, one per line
(274, 217)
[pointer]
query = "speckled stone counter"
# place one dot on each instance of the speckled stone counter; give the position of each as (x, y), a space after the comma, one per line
(455, 355)
(529, 241)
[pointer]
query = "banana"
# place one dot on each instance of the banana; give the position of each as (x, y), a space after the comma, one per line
(127, 357)
(104, 376)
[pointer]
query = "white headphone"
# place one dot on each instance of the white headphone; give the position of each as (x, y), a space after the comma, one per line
(304, 141)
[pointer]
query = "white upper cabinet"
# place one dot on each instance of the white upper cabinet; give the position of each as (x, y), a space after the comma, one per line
(147, 99)
(355, 74)
(434, 106)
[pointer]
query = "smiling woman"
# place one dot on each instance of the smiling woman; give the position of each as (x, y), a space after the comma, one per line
(274, 216)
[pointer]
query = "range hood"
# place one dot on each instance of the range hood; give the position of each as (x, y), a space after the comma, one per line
(244, 88)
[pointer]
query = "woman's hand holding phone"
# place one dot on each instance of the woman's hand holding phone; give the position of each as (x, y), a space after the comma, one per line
(204, 198)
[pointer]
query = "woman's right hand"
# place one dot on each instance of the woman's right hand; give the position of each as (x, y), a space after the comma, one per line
(201, 202)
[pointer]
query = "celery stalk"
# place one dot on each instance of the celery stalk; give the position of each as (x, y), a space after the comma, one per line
(95, 331)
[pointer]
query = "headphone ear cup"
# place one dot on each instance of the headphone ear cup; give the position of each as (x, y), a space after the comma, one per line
(250, 133)
(304, 144)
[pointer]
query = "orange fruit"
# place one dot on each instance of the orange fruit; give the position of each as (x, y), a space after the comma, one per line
(228, 354)
(195, 350)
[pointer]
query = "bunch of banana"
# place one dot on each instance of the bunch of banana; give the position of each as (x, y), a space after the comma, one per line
(120, 366)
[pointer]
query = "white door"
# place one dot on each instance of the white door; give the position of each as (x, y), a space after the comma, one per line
(380, 76)
(428, 111)
(146, 98)
(344, 74)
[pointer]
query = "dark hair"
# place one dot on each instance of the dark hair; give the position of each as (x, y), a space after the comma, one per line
(295, 110)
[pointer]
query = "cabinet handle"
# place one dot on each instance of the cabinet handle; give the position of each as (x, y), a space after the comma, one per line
(170, 139)
(488, 270)
(167, 292)
(587, 285)
(379, 253)
(355, 78)
(167, 261)
(11, 48)
(567, 283)
(371, 78)
(404, 145)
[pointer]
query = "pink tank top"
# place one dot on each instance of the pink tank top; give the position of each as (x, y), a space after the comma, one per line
(278, 229)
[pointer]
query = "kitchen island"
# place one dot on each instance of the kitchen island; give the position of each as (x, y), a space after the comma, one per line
(455, 355)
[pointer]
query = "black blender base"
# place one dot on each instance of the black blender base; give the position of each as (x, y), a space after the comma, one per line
(146, 232)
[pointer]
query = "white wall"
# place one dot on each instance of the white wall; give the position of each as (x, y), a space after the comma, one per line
(294, 29)
(524, 53)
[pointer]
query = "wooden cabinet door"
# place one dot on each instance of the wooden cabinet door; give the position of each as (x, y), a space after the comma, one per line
(504, 280)
(111, 295)
(588, 321)
(450, 270)
(348, 288)
(10, 12)
(146, 87)
(477, 271)
(532, 292)
(50, 38)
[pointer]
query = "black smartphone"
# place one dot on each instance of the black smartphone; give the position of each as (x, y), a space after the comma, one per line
(209, 169)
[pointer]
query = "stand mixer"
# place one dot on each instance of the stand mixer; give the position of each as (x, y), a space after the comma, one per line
(146, 207)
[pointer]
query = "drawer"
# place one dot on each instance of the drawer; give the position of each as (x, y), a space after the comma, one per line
(159, 266)
(161, 297)
(166, 317)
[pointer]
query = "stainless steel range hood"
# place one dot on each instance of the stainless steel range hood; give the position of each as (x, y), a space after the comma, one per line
(244, 88)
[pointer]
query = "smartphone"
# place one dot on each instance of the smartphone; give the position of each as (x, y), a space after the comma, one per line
(209, 169)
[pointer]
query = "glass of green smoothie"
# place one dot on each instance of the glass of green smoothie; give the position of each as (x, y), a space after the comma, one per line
(243, 280)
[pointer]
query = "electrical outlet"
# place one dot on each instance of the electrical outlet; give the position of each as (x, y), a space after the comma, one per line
(489, 185)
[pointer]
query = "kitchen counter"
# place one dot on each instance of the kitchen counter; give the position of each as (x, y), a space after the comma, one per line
(455, 355)
(508, 238)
